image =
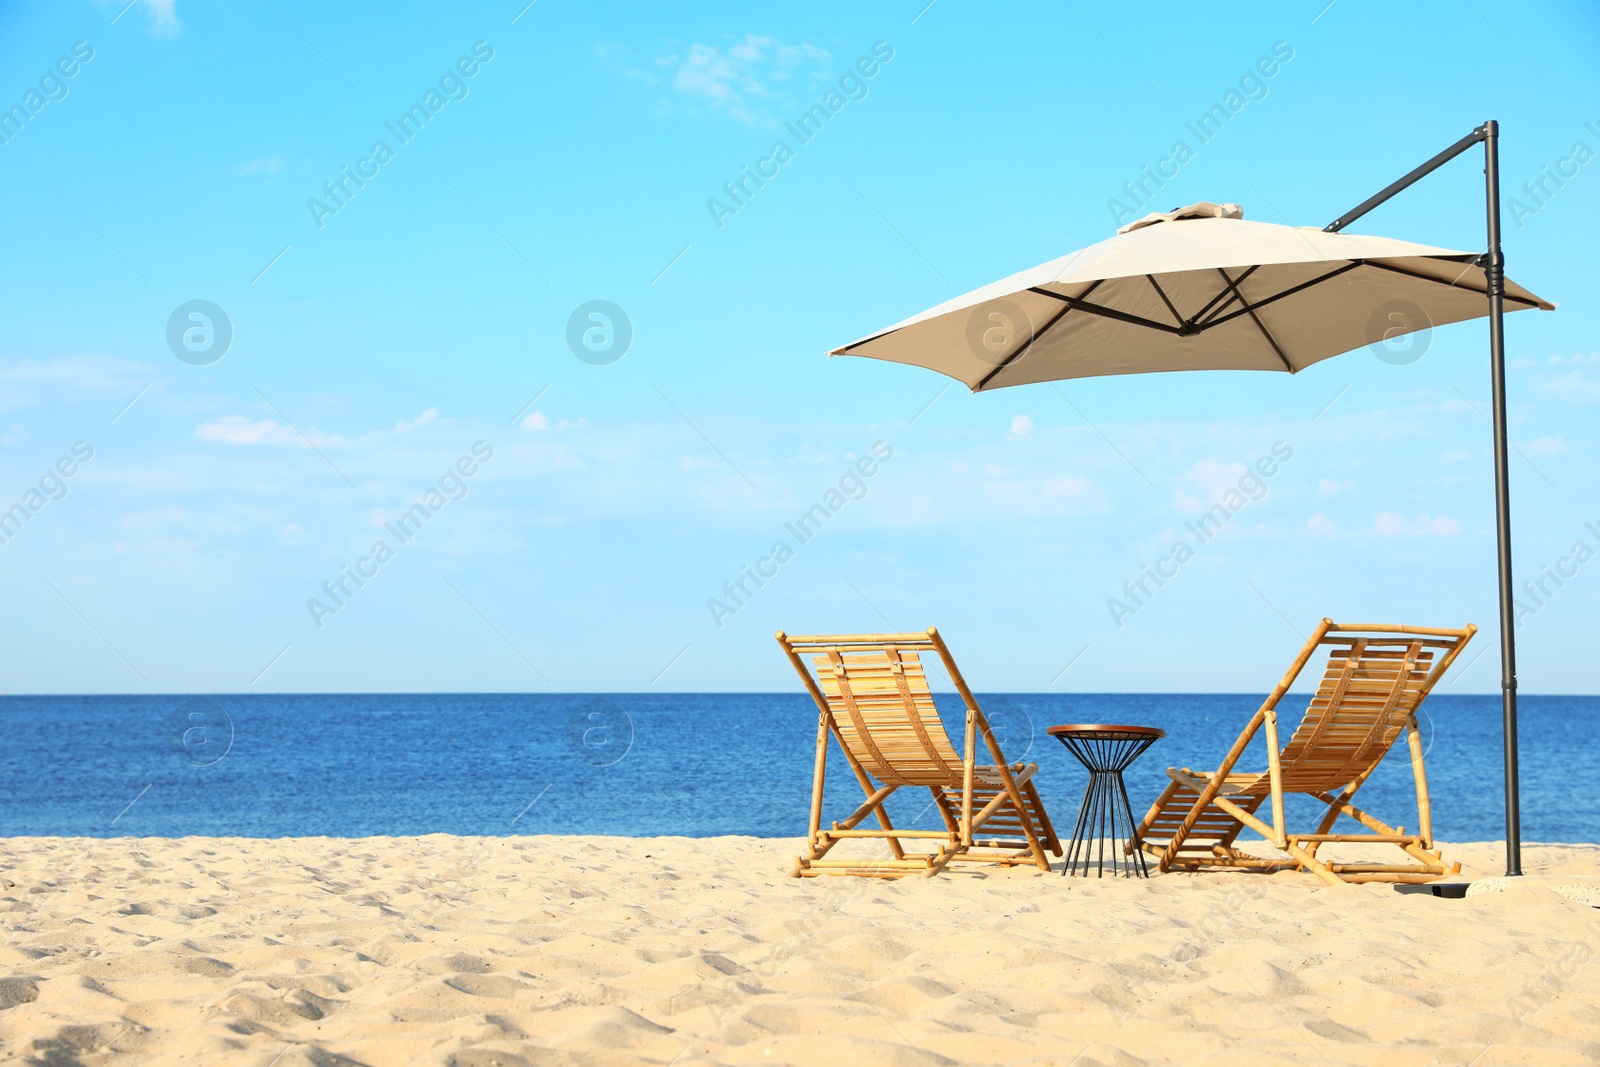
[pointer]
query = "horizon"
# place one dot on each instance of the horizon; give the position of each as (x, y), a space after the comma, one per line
(1299, 688)
(559, 346)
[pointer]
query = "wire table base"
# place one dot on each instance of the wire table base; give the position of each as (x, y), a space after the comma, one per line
(1105, 818)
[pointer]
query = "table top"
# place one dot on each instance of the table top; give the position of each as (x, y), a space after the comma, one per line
(1107, 731)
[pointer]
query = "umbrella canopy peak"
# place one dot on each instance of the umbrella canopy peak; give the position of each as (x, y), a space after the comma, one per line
(1203, 210)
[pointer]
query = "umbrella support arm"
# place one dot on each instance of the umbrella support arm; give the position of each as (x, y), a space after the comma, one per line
(1481, 134)
(1494, 266)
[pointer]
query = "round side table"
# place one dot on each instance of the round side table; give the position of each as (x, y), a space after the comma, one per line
(1105, 818)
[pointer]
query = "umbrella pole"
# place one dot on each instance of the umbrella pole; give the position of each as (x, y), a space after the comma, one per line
(1493, 262)
(1495, 275)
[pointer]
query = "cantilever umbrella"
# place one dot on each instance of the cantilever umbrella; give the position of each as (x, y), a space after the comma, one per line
(1202, 288)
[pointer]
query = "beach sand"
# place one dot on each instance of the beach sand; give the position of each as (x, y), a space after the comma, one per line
(553, 950)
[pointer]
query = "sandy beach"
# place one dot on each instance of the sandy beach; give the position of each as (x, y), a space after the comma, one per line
(550, 950)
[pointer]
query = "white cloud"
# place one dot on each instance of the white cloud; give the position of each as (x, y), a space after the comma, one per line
(539, 421)
(26, 383)
(705, 73)
(1215, 478)
(241, 430)
(736, 79)
(1319, 525)
(260, 165)
(1068, 487)
(1211, 479)
(1020, 425)
(1545, 446)
(1327, 487)
(1574, 387)
(427, 418)
(1027, 495)
(1388, 524)
(163, 15)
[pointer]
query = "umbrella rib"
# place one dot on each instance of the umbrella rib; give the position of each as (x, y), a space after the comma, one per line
(1023, 348)
(1250, 308)
(1163, 295)
(1213, 301)
(1110, 313)
(1440, 281)
(1233, 285)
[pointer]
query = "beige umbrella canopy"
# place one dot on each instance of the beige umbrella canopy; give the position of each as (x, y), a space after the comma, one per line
(1199, 288)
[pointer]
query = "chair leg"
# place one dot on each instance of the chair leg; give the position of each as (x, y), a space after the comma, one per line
(1165, 854)
(819, 776)
(1035, 846)
(1009, 791)
(1337, 804)
(1047, 836)
(942, 858)
(1312, 864)
(1430, 861)
(878, 809)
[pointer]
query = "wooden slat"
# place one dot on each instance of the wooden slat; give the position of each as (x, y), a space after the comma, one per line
(1427, 631)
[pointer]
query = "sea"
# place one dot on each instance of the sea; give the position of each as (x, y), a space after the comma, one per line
(683, 764)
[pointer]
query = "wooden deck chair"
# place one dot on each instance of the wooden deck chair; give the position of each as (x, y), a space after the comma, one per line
(873, 700)
(1376, 678)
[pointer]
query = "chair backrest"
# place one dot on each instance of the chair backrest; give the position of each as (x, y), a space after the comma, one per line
(1375, 680)
(876, 695)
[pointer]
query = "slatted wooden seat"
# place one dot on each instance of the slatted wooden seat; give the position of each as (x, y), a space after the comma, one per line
(873, 699)
(1376, 678)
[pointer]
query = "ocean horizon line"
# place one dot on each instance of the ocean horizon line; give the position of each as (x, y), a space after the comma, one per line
(1057, 693)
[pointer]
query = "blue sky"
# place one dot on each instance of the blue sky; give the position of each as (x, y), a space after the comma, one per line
(374, 346)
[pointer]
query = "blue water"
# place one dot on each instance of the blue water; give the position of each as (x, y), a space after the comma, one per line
(636, 764)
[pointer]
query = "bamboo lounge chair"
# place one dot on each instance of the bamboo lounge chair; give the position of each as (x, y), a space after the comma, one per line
(1376, 678)
(873, 699)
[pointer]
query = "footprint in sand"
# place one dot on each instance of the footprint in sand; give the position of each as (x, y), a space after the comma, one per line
(18, 989)
(296, 1006)
(69, 1044)
(467, 963)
